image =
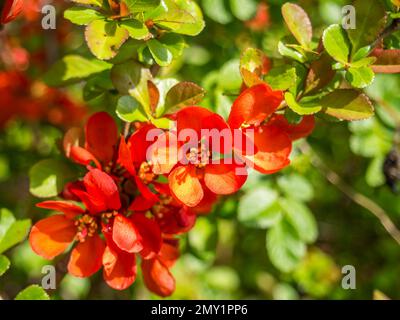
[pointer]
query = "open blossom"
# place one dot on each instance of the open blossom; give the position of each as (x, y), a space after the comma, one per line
(124, 236)
(193, 168)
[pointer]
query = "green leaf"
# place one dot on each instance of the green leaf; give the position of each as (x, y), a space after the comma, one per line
(301, 218)
(181, 16)
(141, 91)
(347, 104)
(105, 38)
(33, 292)
(142, 5)
(301, 108)
(73, 68)
(364, 62)
(371, 20)
(48, 177)
(98, 3)
(244, 9)
(296, 187)
(285, 248)
(160, 52)
(285, 51)
(182, 95)
(6, 220)
(259, 208)
(336, 43)
(4, 264)
(217, 11)
(15, 234)
(282, 77)
(130, 110)
(126, 76)
(82, 16)
(360, 77)
(298, 23)
(137, 29)
(175, 44)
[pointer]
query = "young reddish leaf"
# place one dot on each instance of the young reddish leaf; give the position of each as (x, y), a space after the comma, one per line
(388, 61)
(298, 23)
(154, 95)
(253, 65)
(182, 95)
(320, 74)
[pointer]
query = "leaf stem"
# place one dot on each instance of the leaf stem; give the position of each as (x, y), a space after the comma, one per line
(352, 194)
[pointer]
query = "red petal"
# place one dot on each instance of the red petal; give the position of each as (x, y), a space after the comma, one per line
(197, 118)
(254, 105)
(101, 136)
(86, 257)
(185, 185)
(164, 153)
(70, 209)
(295, 131)
(274, 147)
(206, 205)
(119, 267)
(82, 156)
(140, 203)
(52, 236)
(139, 142)
(126, 236)
(176, 220)
(150, 234)
(169, 253)
(125, 158)
(11, 9)
(224, 178)
(158, 278)
(101, 187)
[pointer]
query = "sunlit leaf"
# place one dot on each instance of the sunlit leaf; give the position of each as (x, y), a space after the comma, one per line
(298, 23)
(105, 38)
(33, 292)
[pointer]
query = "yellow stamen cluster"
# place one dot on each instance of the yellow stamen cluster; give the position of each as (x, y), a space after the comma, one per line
(145, 173)
(87, 227)
(161, 207)
(107, 216)
(199, 156)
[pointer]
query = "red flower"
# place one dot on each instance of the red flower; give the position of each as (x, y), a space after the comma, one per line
(125, 236)
(101, 138)
(249, 113)
(11, 9)
(295, 131)
(156, 273)
(191, 164)
(262, 19)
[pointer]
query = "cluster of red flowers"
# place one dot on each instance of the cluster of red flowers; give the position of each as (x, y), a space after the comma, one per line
(30, 100)
(133, 205)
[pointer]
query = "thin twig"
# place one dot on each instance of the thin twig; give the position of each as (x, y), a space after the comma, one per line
(352, 194)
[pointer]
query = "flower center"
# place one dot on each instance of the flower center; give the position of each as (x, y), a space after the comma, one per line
(87, 227)
(146, 173)
(198, 156)
(161, 207)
